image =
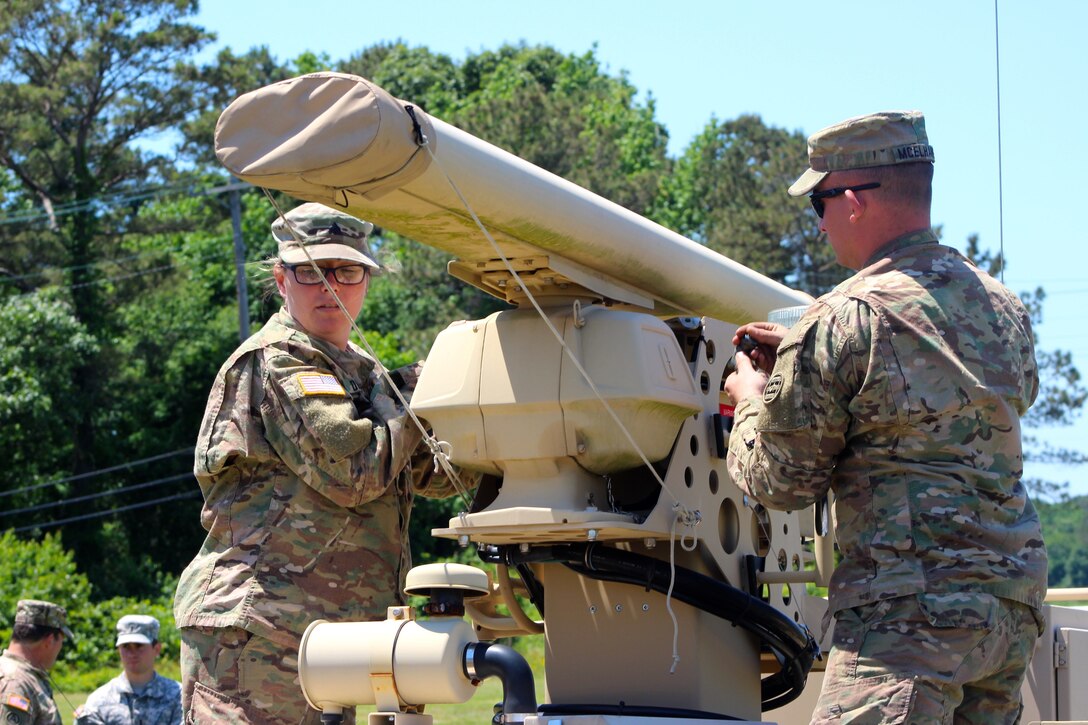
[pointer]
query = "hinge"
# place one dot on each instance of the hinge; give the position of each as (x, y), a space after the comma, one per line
(1061, 649)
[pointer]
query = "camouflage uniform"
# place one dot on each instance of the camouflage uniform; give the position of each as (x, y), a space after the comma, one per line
(901, 391)
(308, 465)
(117, 703)
(26, 697)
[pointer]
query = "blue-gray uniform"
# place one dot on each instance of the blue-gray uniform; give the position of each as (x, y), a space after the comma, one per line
(118, 703)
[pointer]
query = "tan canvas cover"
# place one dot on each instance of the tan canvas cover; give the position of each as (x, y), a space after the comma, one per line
(343, 141)
(317, 149)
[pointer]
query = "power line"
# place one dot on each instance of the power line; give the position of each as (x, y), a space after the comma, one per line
(117, 199)
(101, 494)
(91, 265)
(100, 514)
(130, 275)
(99, 472)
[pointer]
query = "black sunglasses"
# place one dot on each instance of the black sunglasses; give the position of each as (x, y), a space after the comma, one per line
(817, 197)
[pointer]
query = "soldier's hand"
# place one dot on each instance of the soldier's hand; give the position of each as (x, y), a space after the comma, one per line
(746, 381)
(769, 336)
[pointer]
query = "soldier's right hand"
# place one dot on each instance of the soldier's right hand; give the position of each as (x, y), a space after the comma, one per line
(769, 335)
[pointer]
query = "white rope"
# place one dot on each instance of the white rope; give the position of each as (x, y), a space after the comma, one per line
(668, 594)
(555, 333)
(689, 518)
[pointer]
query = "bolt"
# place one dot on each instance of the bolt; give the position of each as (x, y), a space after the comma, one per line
(592, 534)
(619, 608)
(463, 540)
(649, 543)
(523, 548)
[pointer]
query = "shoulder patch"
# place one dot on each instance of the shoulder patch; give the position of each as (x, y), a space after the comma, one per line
(774, 387)
(319, 384)
(18, 702)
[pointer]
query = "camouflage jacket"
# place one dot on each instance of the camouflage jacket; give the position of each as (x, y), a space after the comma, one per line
(25, 695)
(901, 391)
(308, 465)
(116, 703)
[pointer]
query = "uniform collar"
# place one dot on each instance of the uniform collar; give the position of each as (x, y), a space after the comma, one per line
(922, 236)
(23, 661)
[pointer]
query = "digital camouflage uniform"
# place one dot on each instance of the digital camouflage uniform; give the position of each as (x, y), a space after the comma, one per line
(308, 465)
(901, 391)
(156, 702)
(26, 697)
(117, 703)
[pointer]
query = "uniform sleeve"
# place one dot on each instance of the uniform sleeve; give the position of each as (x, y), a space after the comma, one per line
(175, 714)
(346, 451)
(18, 703)
(425, 480)
(85, 715)
(172, 715)
(784, 445)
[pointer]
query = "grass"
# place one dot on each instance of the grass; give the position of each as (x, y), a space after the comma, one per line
(476, 711)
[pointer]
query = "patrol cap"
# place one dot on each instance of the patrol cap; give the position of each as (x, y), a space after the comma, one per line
(325, 232)
(43, 614)
(878, 139)
(139, 628)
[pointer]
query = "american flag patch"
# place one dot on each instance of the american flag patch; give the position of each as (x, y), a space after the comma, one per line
(18, 702)
(319, 384)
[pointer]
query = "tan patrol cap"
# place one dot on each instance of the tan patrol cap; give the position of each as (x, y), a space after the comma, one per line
(43, 614)
(878, 139)
(326, 233)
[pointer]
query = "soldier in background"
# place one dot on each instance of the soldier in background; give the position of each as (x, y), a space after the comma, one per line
(901, 391)
(308, 465)
(139, 695)
(26, 697)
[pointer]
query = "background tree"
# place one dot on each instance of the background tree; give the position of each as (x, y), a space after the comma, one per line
(83, 82)
(727, 191)
(117, 283)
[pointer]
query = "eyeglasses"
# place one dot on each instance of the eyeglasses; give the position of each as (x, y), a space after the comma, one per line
(348, 274)
(817, 197)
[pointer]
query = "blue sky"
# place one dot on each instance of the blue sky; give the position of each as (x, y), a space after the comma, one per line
(802, 66)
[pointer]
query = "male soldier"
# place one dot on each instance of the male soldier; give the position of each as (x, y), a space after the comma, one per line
(139, 695)
(901, 391)
(26, 697)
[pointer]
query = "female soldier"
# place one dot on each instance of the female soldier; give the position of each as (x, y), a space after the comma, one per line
(308, 464)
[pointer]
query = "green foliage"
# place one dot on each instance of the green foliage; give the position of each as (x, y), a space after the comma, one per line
(41, 344)
(44, 569)
(38, 570)
(727, 191)
(118, 285)
(1065, 530)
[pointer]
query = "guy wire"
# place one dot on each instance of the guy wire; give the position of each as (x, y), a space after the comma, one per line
(436, 446)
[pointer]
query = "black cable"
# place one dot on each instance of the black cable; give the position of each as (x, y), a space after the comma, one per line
(100, 494)
(792, 644)
(100, 514)
(99, 472)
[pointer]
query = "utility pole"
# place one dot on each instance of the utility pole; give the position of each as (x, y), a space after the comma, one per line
(240, 262)
(239, 254)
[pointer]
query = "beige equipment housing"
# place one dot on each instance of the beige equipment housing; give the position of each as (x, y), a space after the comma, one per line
(593, 408)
